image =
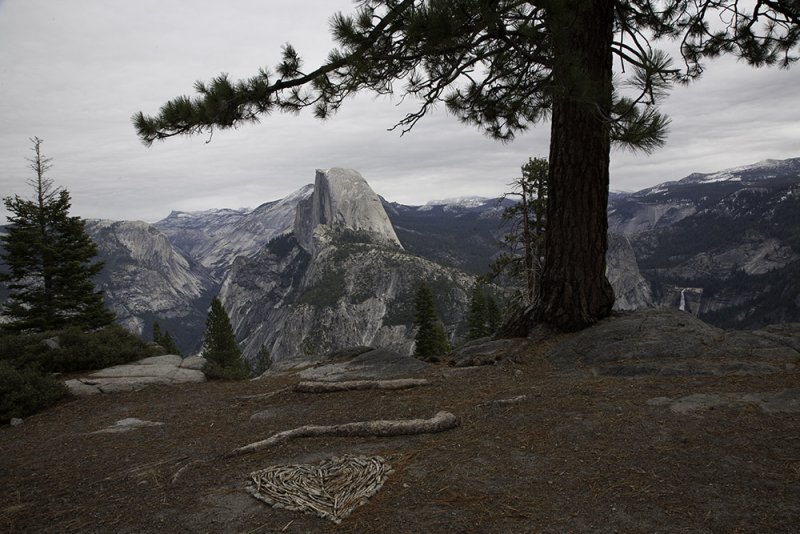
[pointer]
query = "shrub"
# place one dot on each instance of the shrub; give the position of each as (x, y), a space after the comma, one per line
(26, 390)
(76, 350)
(263, 361)
(26, 361)
(81, 351)
(214, 371)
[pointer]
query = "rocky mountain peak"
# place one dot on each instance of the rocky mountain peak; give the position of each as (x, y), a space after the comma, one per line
(342, 198)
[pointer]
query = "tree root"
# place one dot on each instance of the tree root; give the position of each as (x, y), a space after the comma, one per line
(405, 427)
(356, 385)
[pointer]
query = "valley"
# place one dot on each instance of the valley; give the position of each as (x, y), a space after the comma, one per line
(727, 242)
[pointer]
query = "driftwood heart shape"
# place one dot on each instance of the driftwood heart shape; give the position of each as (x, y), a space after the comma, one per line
(332, 489)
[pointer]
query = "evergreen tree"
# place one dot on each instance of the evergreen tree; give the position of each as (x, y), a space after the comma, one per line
(222, 353)
(503, 66)
(477, 324)
(48, 257)
(164, 339)
(521, 261)
(263, 361)
(431, 339)
(493, 315)
(483, 318)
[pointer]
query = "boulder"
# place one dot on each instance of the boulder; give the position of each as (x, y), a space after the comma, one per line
(52, 343)
(486, 351)
(168, 369)
(79, 389)
(784, 401)
(188, 375)
(137, 370)
(126, 425)
(193, 362)
(374, 364)
(666, 341)
(123, 384)
(167, 359)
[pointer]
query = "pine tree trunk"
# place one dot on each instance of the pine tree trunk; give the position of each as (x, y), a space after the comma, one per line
(574, 290)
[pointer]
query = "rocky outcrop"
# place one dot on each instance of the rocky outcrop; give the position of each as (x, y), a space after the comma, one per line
(157, 370)
(168, 272)
(215, 238)
(631, 290)
(670, 342)
(373, 364)
(784, 401)
(723, 244)
(487, 351)
(146, 278)
(342, 199)
(340, 279)
(302, 306)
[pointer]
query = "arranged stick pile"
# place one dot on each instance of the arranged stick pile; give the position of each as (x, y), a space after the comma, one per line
(331, 489)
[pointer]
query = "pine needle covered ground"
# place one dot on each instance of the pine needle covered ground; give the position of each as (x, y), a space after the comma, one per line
(568, 451)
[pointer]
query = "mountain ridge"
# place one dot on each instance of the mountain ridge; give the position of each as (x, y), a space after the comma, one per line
(721, 243)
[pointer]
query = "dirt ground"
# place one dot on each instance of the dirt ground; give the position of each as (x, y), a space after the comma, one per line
(580, 454)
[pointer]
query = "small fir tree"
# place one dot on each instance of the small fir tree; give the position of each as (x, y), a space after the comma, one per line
(493, 316)
(164, 339)
(222, 353)
(431, 339)
(263, 361)
(522, 260)
(49, 260)
(477, 326)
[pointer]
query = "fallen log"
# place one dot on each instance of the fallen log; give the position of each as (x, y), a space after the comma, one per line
(404, 427)
(357, 385)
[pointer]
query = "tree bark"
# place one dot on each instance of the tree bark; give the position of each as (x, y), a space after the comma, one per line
(574, 291)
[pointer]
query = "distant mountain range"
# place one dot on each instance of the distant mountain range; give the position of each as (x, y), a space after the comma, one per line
(334, 264)
(728, 242)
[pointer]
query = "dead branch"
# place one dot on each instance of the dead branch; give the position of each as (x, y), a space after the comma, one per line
(356, 385)
(180, 471)
(405, 427)
(499, 402)
(263, 395)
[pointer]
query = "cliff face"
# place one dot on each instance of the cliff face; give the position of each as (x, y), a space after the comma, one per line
(631, 289)
(325, 268)
(342, 199)
(145, 279)
(340, 279)
(725, 244)
(215, 238)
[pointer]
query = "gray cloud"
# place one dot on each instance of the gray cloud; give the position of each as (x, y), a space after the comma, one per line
(74, 72)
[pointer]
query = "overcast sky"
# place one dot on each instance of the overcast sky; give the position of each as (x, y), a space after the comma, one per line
(74, 72)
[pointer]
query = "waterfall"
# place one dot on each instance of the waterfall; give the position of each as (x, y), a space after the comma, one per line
(682, 306)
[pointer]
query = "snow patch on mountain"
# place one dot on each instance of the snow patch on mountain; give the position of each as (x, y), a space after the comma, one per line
(737, 174)
(214, 238)
(464, 202)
